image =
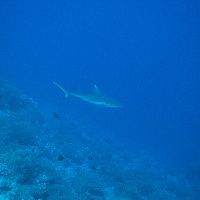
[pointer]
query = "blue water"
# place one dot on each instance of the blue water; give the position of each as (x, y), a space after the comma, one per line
(142, 53)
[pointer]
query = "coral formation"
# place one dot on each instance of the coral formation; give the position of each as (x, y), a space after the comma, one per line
(32, 165)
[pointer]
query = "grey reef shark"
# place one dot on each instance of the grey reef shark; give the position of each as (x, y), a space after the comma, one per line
(94, 97)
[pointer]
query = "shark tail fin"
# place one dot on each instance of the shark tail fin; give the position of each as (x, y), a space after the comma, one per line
(61, 88)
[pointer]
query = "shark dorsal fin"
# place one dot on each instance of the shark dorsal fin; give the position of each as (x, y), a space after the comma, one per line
(96, 89)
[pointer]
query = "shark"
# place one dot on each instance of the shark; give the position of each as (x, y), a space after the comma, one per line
(94, 97)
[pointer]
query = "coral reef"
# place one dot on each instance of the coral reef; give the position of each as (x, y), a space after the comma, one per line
(89, 169)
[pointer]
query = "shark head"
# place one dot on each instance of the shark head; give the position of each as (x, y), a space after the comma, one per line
(102, 100)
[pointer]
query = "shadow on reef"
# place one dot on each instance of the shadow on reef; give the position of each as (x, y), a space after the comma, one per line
(42, 158)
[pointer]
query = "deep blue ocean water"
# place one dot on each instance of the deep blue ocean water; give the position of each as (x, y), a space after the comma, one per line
(145, 54)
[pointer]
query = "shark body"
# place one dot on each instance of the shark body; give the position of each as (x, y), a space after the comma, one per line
(94, 97)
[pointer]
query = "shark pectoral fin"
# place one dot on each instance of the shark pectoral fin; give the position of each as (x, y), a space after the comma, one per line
(99, 107)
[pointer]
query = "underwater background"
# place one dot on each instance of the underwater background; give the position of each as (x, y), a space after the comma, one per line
(145, 54)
